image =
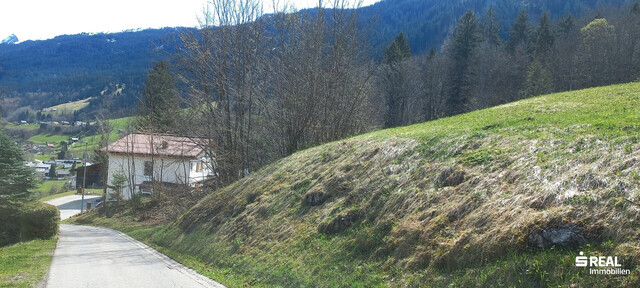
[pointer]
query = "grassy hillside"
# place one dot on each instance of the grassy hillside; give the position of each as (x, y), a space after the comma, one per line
(69, 107)
(78, 148)
(457, 201)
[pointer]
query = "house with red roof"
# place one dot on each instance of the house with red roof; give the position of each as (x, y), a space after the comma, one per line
(147, 160)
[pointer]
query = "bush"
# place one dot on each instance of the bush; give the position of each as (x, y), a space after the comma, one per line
(39, 221)
(54, 189)
(10, 224)
(23, 222)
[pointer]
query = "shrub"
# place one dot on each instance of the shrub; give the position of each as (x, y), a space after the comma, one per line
(53, 190)
(39, 221)
(23, 222)
(10, 226)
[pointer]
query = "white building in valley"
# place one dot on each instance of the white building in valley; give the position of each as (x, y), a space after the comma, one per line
(149, 159)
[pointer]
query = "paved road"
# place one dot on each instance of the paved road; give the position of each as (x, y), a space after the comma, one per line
(70, 205)
(99, 257)
(89, 257)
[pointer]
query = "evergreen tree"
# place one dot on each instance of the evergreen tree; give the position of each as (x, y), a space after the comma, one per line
(562, 65)
(396, 81)
(520, 34)
(52, 171)
(64, 150)
(566, 26)
(491, 28)
(538, 80)
(15, 179)
(520, 50)
(398, 51)
(466, 38)
(631, 32)
(545, 37)
(118, 183)
(160, 104)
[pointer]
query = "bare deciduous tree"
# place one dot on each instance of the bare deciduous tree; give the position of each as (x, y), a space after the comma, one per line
(260, 94)
(320, 77)
(222, 64)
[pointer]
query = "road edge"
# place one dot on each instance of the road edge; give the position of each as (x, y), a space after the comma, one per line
(174, 264)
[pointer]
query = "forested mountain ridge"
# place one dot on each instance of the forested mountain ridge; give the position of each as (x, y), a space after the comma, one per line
(72, 67)
(428, 23)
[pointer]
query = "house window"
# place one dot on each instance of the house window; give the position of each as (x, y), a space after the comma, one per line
(148, 168)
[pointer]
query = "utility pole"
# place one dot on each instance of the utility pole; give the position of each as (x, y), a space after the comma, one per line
(84, 175)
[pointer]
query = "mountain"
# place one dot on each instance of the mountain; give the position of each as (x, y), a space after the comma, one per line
(12, 39)
(73, 67)
(428, 23)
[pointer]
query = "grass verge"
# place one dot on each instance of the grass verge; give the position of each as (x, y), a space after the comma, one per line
(25, 264)
(143, 232)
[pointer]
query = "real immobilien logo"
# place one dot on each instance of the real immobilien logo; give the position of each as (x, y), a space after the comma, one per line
(601, 265)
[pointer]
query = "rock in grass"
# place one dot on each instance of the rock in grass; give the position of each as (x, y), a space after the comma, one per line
(565, 235)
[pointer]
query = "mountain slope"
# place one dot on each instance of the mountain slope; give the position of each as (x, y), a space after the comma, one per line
(428, 23)
(464, 200)
(74, 67)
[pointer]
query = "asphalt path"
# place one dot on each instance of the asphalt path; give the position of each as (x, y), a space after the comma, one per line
(100, 257)
(70, 205)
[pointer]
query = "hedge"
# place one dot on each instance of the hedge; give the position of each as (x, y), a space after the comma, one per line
(23, 222)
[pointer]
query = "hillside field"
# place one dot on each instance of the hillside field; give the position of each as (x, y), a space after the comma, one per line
(459, 201)
(68, 108)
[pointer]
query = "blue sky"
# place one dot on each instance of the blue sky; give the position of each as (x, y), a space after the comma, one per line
(44, 19)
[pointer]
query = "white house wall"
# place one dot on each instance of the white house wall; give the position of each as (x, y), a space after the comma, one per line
(203, 174)
(169, 170)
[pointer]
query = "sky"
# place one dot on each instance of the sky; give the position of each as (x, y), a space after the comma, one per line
(45, 19)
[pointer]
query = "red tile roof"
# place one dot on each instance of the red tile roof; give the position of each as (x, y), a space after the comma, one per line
(157, 145)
